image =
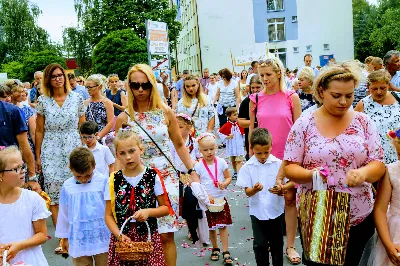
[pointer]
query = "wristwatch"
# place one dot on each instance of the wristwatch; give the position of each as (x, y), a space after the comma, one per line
(191, 170)
(33, 178)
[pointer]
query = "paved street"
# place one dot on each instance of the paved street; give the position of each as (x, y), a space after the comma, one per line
(240, 241)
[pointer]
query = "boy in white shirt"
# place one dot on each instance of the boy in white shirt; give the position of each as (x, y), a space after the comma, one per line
(266, 204)
(102, 155)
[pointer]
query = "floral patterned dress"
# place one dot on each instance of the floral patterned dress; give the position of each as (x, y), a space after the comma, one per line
(61, 136)
(28, 113)
(357, 146)
(201, 116)
(96, 111)
(386, 117)
(154, 123)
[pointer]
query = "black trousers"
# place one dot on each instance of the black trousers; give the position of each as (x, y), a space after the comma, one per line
(223, 118)
(358, 238)
(268, 233)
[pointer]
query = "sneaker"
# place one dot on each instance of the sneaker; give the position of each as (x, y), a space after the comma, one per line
(234, 176)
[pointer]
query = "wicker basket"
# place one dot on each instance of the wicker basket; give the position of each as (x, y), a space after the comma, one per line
(134, 251)
(218, 205)
(184, 178)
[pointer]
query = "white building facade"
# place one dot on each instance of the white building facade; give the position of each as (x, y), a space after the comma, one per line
(290, 28)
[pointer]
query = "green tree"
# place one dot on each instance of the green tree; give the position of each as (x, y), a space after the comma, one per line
(100, 17)
(13, 69)
(34, 61)
(19, 31)
(76, 45)
(119, 50)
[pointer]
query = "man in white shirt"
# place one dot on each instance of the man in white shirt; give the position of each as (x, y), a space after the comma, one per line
(254, 66)
(307, 63)
(266, 204)
(391, 60)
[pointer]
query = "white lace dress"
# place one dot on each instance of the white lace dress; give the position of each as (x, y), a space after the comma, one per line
(16, 225)
(375, 253)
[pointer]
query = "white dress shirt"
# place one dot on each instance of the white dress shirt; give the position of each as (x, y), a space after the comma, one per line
(103, 158)
(264, 205)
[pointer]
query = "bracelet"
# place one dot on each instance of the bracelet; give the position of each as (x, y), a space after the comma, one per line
(34, 178)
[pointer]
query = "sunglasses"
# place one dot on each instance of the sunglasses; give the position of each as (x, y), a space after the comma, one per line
(136, 85)
(266, 62)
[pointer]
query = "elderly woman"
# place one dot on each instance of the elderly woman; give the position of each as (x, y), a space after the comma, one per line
(383, 108)
(156, 123)
(195, 104)
(99, 108)
(228, 94)
(277, 110)
(60, 112)
(344, 141)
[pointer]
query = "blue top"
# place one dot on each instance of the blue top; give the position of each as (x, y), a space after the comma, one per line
(396, 79)
(12, 123)
(179, 86)
(115, 98)
(81, 216)
(82, 91)
(32, 94)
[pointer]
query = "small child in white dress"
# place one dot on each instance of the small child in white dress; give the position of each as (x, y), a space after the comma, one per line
(81, 224)
(233, 134)
(23, 213)
(215, 178)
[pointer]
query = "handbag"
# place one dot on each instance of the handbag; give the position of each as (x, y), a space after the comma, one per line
(182, 177)
(324, 224)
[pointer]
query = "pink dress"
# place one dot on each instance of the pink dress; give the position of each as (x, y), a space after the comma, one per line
(357, 146)
(275, 114)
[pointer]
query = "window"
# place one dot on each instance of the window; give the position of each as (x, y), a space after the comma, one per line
(294, 19)
(309, 48)
(275, 5)
(326, 46)
(276, 29)
(295, 49)
(281, 53)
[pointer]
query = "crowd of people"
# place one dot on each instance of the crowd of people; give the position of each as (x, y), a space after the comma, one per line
(116, 163)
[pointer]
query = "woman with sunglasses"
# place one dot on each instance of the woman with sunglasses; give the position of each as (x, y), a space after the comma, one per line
(23, 213)
(277, 110)
(99, 108)
(60, 112)
(116, 95)
(156, 123)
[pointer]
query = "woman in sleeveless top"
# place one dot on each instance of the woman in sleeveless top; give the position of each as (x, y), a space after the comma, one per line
(156, 123)
(99, 108)
(383, 108)
(116, 95)
(277, 110)
(243, 85)
(195, 104)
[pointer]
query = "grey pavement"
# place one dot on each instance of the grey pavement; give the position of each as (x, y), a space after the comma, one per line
(240, 239)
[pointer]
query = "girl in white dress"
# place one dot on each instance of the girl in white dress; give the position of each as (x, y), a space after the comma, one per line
(23, 213)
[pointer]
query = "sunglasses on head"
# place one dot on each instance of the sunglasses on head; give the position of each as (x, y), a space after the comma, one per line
(266, 62)
(136, 85)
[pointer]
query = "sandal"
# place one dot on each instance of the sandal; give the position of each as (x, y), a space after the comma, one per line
(215, 254)
(294, 260)
(228, 260)
(59, 249)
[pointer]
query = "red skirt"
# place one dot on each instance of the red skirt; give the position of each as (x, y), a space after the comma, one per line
(219, 219)
(155, 259)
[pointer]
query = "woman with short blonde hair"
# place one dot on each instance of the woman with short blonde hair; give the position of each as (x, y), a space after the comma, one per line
(156, 123)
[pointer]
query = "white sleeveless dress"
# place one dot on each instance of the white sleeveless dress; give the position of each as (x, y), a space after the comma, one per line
(375, 253)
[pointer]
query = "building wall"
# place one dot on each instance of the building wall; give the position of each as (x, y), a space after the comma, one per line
(220, 26)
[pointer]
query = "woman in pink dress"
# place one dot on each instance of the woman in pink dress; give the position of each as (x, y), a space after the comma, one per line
(344, 141)
(277, 110)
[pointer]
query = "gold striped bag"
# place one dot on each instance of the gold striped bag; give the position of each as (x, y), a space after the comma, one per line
(325, 225)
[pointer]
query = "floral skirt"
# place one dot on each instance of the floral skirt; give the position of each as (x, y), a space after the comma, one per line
(155, 259)
(219, 219)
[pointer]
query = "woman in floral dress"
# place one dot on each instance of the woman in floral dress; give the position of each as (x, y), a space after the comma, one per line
(146, 108)
(60, 112)
(195, 104)
(344, 141)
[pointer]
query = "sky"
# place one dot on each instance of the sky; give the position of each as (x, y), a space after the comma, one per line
(58, 14)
